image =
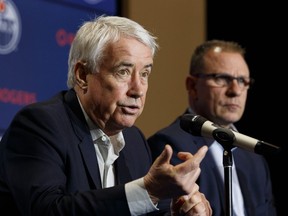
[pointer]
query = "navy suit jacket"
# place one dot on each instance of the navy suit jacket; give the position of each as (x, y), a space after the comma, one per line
(48, 164)
(252, 171)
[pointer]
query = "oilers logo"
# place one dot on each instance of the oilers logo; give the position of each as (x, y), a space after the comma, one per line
(10, 27)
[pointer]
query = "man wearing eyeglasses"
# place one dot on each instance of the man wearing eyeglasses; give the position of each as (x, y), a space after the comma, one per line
(217, 87)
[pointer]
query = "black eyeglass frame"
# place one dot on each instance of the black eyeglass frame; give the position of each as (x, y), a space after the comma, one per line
(226, 79)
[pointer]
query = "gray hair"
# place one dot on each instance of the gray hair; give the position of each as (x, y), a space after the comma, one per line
(93, 37)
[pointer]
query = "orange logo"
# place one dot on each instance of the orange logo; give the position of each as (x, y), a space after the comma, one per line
(2, 6)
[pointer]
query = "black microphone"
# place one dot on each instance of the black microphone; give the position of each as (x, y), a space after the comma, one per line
(199, 126)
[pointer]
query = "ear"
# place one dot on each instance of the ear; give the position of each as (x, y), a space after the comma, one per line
(191, 82)
(81, 75)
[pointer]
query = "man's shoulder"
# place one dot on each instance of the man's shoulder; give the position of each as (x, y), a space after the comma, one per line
(169, 129)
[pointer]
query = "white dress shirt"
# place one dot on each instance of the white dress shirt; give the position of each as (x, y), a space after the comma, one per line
(107, 151)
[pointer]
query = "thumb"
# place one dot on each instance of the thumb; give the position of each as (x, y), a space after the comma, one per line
(165, 156)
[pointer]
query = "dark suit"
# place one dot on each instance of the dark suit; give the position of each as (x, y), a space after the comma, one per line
(252, 171)
(48, 162)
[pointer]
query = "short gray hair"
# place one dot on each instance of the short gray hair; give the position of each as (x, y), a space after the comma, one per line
(93, 37)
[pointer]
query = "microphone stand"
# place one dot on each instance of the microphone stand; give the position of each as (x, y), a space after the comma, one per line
(226, 139)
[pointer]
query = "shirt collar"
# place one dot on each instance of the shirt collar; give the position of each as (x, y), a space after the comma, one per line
(117, 140)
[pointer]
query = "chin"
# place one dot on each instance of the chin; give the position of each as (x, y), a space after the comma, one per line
(232, 119)
(127, 121)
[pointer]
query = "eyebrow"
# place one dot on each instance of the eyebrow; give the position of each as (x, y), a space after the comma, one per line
(131, 65)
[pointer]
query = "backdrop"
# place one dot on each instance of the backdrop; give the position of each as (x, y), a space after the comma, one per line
(35, 37)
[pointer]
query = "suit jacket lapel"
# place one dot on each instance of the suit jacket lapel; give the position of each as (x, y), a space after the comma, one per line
(86, 145)
(90, 160)
(121, 169)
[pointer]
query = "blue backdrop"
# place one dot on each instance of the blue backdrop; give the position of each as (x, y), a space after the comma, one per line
(35, 37)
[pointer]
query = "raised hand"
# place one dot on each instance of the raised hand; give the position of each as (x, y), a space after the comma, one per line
(167, 181)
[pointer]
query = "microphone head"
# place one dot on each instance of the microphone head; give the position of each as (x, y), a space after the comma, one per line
(192, 123)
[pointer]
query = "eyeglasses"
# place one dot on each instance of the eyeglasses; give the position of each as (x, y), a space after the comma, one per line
(224, 80)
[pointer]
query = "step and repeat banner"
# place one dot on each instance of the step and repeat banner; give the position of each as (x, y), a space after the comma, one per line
(35, 37)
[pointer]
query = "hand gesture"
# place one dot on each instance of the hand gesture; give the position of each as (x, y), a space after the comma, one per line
(167, 181)
(191, 205)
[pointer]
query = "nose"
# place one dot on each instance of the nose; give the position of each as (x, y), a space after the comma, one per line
(137, 87)
(235, 88)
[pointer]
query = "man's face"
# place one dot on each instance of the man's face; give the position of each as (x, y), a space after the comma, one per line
(222, 105)
(116, 94)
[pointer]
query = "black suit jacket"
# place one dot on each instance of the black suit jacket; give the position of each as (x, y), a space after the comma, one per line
(48, 164)
(252, 171)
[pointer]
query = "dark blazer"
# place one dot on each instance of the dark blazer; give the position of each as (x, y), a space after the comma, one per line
(252, 171)
(48, 164)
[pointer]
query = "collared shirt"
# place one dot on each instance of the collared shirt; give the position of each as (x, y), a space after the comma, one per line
(107, 151)
(216, 150)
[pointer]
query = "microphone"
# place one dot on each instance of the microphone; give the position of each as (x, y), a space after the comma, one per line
(199, 126)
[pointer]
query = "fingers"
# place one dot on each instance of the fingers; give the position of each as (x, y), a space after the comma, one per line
(191, 162)
(200, 206)
(196, 204)
(160, 180)
(165, 156)
(198, 157)
(191, 202)
(165, 180)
